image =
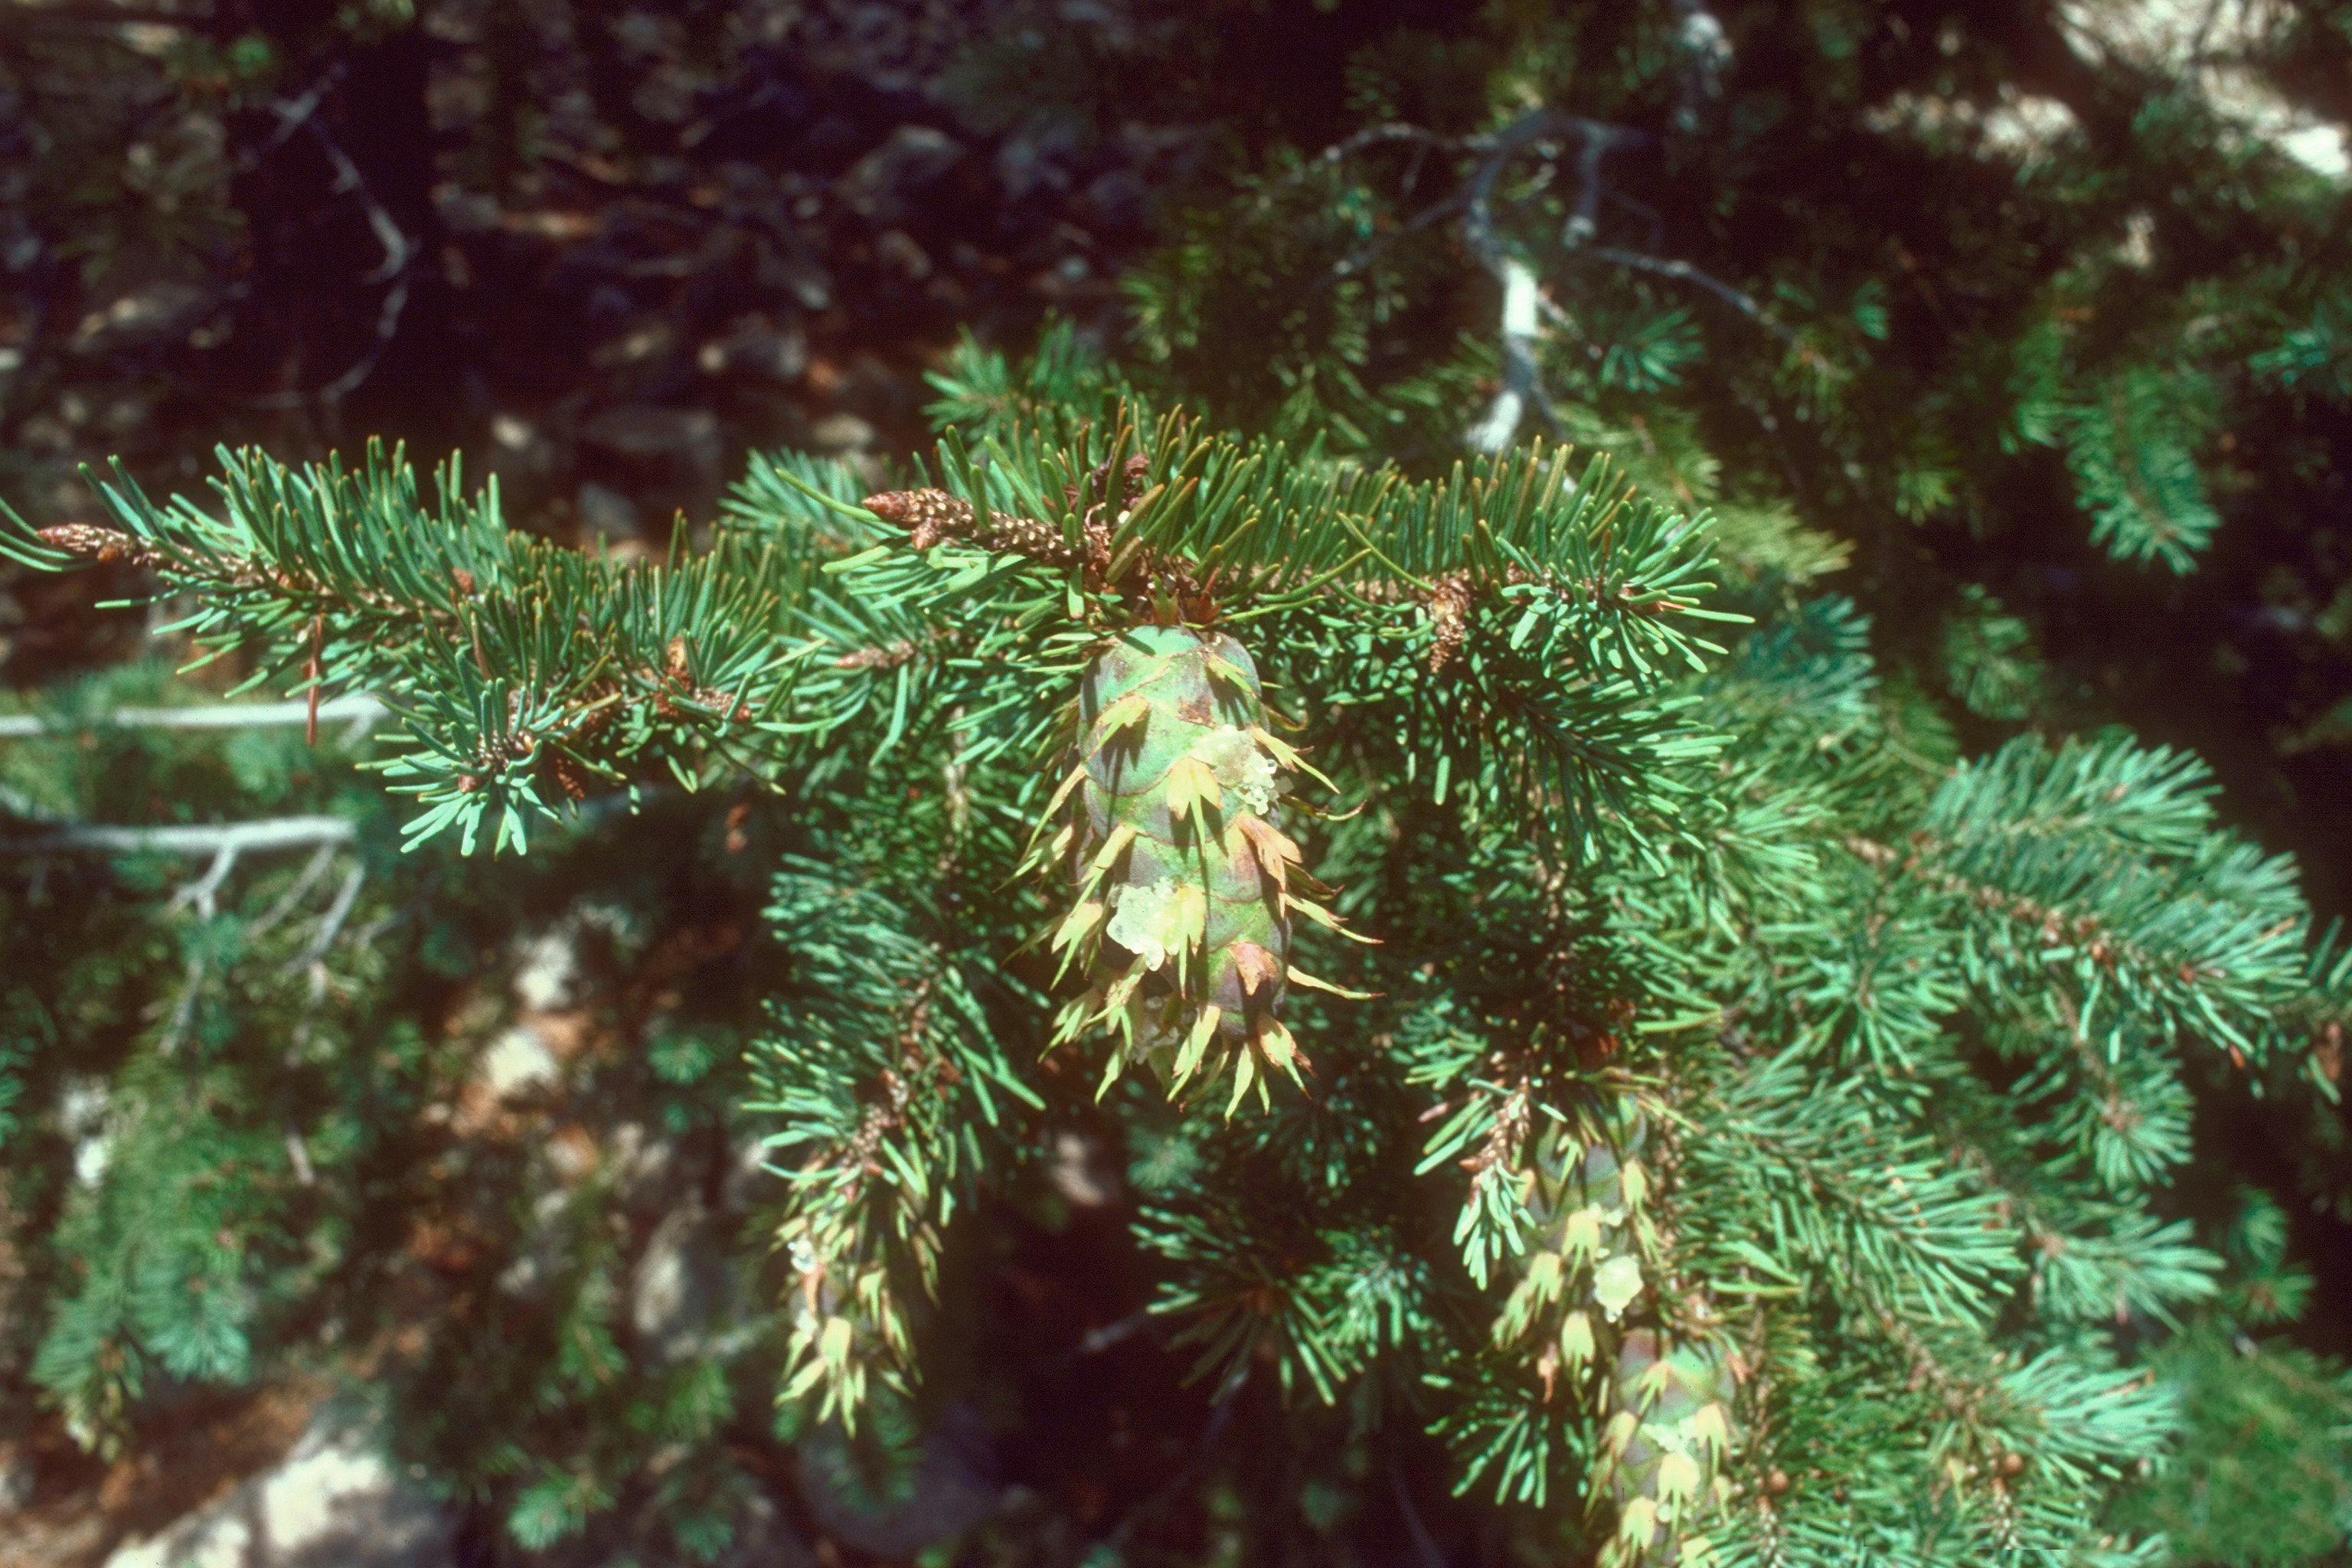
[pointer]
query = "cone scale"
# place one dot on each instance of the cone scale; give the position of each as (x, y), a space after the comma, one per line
(1184, 889)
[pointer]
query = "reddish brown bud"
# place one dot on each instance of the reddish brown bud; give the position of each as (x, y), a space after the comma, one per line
(568, 774)
(1449, 612)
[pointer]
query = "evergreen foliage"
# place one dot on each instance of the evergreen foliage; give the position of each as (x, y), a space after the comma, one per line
(1749, 1132)
(1633, 1045)
(2063, 306)
(2043, 303)
(255, 1132)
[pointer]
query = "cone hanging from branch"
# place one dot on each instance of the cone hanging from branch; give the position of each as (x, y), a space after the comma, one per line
(1184, 888)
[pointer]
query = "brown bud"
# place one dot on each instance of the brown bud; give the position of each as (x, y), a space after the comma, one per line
(464, 581)
(1132, 475)
(927, 515)
(1776, 1481)
(568, 774)
(2013, 1465)
(1449, 610)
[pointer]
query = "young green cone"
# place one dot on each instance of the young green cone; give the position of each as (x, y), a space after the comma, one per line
(1586, 1292)
(1184, 887)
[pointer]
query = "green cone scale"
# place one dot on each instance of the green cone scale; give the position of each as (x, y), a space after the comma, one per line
(1183, 888)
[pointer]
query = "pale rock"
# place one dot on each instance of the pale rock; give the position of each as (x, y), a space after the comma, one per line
(879, 184)
(898, 249)
(2325, 149)
(755, 349)
(678, 1286)
(541, 1254)
(2163, 35)
(90, 1157)
(2026, 127)
(641, 1167)
(2137, 250)
(605, 512)
(686, 436)
(17, 1483)
(796, 275)
(780, 356)
(749, 1180)
(517, 1063)
(763, 1540)
(2207, 43)
(952, 1487)
(82, 1118)
(841, 432)
(2239, 94)
(334, 1502)
(144, 312)
(1081, 1170)
(210, 1540)
(548, 971)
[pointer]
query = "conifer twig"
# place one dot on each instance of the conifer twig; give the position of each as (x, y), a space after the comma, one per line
(1522, 304)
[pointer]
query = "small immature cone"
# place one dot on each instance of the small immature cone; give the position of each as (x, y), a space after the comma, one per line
(1184, 887)
(105, 546)
(933, 517)
(1580, 1306)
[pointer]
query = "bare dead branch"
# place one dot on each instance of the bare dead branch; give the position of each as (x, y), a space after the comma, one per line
(316, 867)
(207, 838)
(331, 926)
(204, 893)
(1522, 381)
(358, 708)
(400, 252)
(183, 1008)
(1683, 271)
